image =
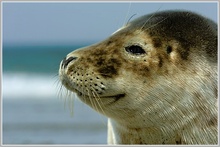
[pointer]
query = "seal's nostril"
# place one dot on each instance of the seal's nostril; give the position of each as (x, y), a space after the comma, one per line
(67, 61)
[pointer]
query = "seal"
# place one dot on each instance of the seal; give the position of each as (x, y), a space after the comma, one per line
(155, 79)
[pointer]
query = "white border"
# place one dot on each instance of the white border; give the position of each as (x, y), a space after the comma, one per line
(1, 69)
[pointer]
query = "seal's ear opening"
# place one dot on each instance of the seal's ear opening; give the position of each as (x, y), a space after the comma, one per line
(169, 49)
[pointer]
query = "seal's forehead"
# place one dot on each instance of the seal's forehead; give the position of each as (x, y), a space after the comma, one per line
(171, 24)
(165, 19)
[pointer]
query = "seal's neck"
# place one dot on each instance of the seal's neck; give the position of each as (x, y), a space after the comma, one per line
(119, 134)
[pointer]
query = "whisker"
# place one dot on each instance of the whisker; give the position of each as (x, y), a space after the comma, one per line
(130, 18)
(55, 76)
(60, 91)
(93, 100)
(149, 19)
(60, 94)
(83, 95)
(90, 99)
(129, 7)
(99, 100)
(70, 98)
(57, 82)
(72, 104)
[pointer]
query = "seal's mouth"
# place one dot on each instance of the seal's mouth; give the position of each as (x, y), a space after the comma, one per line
(116, 97)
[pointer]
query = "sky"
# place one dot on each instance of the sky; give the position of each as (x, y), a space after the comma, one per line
(76, 22)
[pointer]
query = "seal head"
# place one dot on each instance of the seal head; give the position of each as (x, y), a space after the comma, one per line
(155, 79)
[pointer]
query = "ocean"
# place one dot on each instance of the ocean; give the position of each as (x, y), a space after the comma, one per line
(33, 109)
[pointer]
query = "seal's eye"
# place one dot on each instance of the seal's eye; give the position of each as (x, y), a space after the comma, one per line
(135, 49)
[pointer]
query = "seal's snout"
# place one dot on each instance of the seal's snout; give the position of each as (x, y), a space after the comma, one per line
(66, 61)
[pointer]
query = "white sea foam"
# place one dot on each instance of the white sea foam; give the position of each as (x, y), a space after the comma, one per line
(24, 85)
